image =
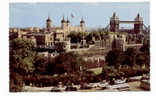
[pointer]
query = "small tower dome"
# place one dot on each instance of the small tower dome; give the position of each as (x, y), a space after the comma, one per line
(138, 18)
(48, 20)
(63, 21)
(68, 20)
(114, 16)
(48, 24)
(82, 21)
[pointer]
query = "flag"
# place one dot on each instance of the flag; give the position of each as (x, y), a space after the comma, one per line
(72, 16)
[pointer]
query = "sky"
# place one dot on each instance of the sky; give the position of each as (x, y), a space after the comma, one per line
(95, 14)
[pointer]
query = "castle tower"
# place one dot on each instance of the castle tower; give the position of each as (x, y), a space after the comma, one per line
(114, 23)
(67, 29)
(82, 25)
(138, 25)
(63, 23)
(48, 24)
(68, 22)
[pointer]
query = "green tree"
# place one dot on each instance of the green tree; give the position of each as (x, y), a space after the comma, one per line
(89, 38)
(21, 60)
(76, 37)
(114, 57)
(141, 59)
(40, 65)
(146, 47)
(68, 62)
(22, 55)
(144, 56)
(130, 57)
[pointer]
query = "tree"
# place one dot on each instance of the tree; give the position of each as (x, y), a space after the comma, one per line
(102, 35)
(141, 59)
(114, 57)
(89, 38)
(40, 65)
(68, 62)
(130, 57)
(21, 60)
(144, 56)
(22, 55)
(16, 82)
(146, 47)
(76, 37)
(96, 35)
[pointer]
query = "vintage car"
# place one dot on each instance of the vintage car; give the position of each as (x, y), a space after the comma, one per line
(119, 81)
(93, 85)
(103, 85)
(120, 87)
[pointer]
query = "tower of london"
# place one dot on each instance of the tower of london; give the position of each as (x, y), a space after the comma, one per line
(63, 31)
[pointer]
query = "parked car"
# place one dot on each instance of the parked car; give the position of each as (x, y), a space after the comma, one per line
(120, 87)
(103, 85)
(119, 81)
(93, 85)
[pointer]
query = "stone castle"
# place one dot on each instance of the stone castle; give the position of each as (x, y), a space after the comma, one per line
(65, 28)
(49, 35)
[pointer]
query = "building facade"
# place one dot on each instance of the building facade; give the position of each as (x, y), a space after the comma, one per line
(48, 36)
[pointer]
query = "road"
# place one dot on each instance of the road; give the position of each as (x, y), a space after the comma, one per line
(134, 86)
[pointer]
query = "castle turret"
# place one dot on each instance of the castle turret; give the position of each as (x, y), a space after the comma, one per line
(114, 23)
(82, 24)
(138, 25)
(48, 24)
(63, 23)
(68, 22)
